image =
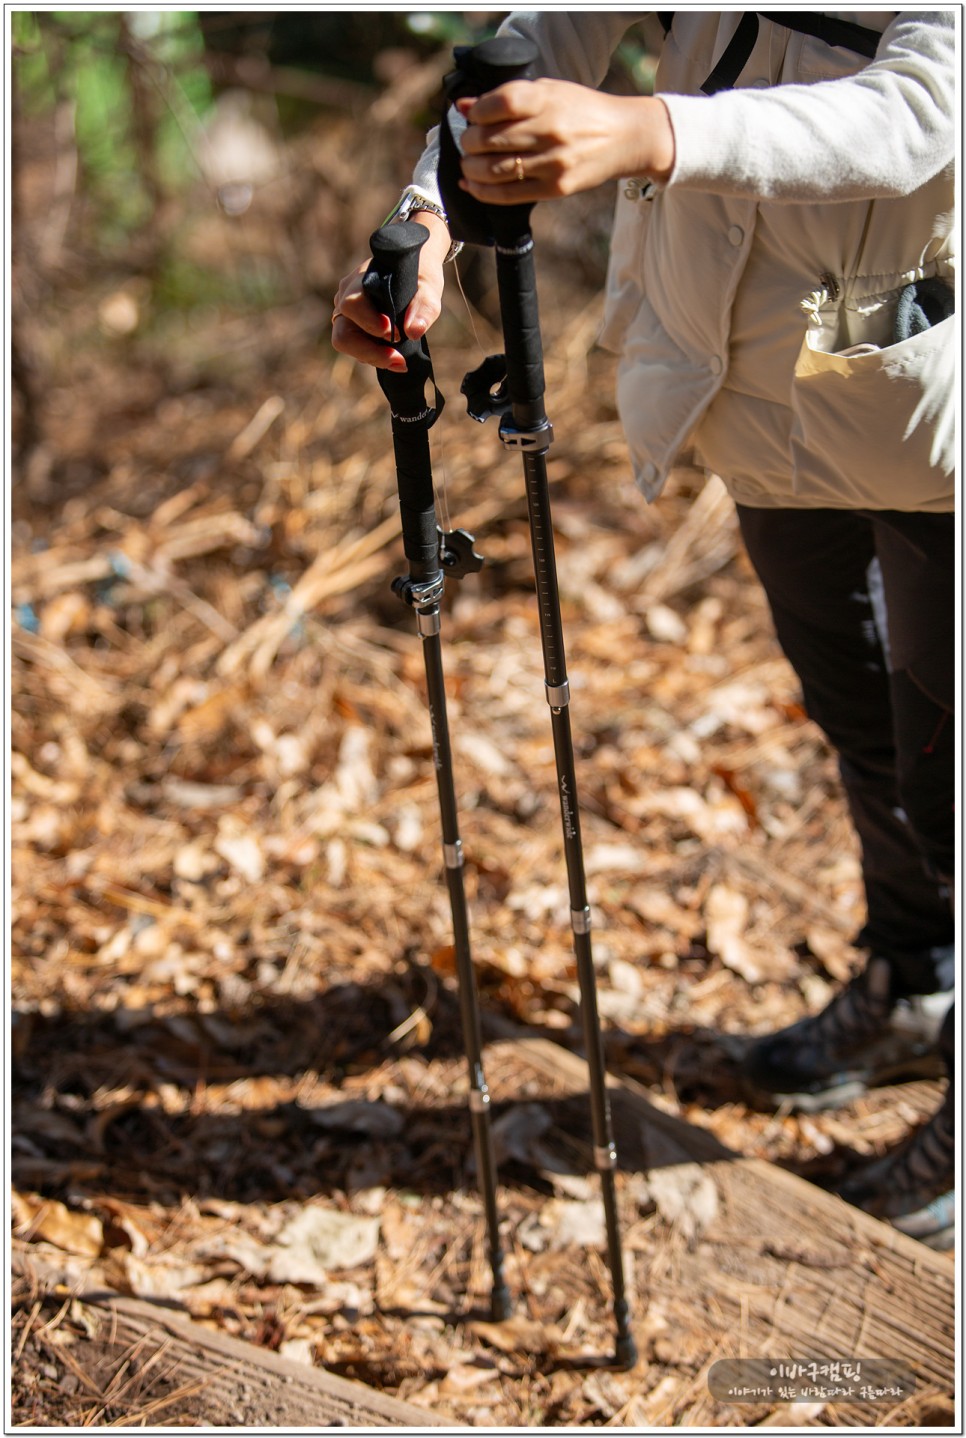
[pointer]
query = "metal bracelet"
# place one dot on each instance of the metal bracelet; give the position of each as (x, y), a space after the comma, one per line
(410, 202)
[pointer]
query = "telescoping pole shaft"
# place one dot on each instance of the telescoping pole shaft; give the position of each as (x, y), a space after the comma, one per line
(479, 1096)
(391, 283)
(508, 229)
(529, 420)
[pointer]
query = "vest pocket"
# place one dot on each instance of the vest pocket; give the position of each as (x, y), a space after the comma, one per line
(875, 428)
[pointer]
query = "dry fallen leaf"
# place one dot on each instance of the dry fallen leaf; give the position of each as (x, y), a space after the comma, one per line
(464, 1377)
(616, 858)
(482, 751)
(128, 1221)
(575, 1221)
(194, 861)
(726, 913)
(166, 1279)
(317, 1240)
(664, 625)
(243, 854)
(834, 950)
(686, 1196)
(792, 1415)
(53, 1221)
(726, 917)
(299, 1350)
(606, 1392)
(710, 820)
(517, 1334)
(655, 906)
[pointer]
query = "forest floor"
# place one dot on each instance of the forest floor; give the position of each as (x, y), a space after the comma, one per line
(237, 1063)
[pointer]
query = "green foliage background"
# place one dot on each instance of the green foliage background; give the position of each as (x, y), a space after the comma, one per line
(139, 88)
(134, 80)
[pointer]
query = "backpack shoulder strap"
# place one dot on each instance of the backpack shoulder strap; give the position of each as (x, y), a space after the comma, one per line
(842, 34)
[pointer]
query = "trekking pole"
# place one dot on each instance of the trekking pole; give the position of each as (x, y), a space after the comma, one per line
(513, 389)
(390, 284)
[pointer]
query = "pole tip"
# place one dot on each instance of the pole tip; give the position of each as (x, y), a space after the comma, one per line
(501, 1305)
(625, 1352)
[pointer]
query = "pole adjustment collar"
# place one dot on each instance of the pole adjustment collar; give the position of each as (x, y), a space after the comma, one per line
(536, 440)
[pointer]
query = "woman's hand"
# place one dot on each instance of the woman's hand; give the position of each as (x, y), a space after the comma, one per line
(360, 331)
(534, 140)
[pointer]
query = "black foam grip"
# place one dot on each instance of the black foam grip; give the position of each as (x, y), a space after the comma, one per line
(391, 282)
(517, 281)
(478, 69)
(417, 505)
(392, 278)
(494, 62)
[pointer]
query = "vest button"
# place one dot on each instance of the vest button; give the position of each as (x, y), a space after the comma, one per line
(649, 472)
(715, 364)
(735, 235)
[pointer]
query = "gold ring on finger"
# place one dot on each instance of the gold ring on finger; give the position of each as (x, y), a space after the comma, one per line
(511, 166)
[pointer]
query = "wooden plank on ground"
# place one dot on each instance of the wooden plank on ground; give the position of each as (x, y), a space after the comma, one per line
(235, 1384)
(765, 1265)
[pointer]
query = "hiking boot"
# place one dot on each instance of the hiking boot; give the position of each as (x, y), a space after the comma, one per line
(864, 1037)
(912, 1186)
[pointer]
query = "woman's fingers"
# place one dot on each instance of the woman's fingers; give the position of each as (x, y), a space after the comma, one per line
(510, 102)
(541, 139)
(496, 127)
(358, 329)
(544, 139)
(351, 339)
(362, 332)
(502, 169)
(480, 139)
(512, 145)
(353, 304)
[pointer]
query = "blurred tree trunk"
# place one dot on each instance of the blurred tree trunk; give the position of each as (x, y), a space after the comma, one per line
(143, 112)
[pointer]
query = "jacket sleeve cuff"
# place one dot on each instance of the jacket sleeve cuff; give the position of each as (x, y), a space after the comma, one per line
(425, 174)
(707, 144)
